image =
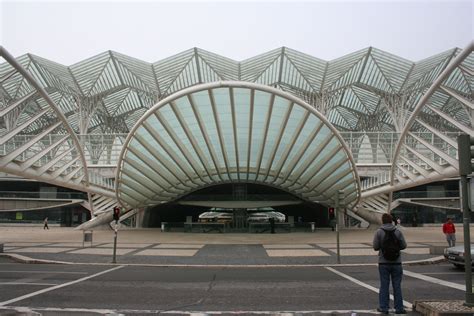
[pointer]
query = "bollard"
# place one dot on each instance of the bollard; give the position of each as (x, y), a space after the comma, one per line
(87, 237)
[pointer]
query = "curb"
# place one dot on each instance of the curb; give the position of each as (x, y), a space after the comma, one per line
(434, 260)
(28, 260)
(24, 259)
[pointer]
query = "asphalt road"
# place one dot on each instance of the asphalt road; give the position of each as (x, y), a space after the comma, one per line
(94, 289)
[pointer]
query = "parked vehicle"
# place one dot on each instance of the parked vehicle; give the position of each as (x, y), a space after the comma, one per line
(279, 217)
(263, 217)
(258, 218)
(215, 217)
(455, 255)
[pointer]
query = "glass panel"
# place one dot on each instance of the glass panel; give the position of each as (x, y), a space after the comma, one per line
(337, 174)
(163, 158)
(252, 176)
(180, 138)
(136, 187)
(175, 153)
(328, 165)
(333, 143)
(164, 174)
(310, 125)
(291, 129)
(204, 108)
(280, 107)
(224, 114)
(242, 113)
(332, 191)
(184, 108)
(152, 186)
(261, 105)
(321, 158)
(314, 146)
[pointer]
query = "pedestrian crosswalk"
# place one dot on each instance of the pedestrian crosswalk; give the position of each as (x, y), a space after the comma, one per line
(189, 250)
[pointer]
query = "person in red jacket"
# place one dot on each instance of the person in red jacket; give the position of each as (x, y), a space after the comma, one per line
(450, 231)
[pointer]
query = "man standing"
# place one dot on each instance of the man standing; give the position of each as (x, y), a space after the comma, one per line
(45, 226)
(388, 240)
(450, 231)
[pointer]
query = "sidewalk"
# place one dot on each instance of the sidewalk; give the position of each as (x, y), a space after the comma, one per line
(153, 247)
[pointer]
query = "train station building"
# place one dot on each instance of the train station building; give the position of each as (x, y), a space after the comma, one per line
(282, 132)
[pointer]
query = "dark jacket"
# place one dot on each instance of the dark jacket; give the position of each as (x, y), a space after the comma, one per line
(378, 240)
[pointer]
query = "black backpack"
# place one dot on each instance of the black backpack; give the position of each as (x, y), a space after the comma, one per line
(390, 245)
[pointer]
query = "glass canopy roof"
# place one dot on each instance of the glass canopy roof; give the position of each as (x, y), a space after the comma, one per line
(367, 90)
(234, 132)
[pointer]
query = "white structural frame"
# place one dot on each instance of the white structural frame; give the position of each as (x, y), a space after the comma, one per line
(25, 170)
(438, 172)
(12, 61)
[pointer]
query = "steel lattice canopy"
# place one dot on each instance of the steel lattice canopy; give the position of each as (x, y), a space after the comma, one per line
(234, 131)
(365, 90)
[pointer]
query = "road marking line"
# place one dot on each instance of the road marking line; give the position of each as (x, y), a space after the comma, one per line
(442, 273)
(367, 286)
(25, 283)
(187, 312)
(279, 313)
(24, 309)
(435, 280)
(38, 271)
(20, 298)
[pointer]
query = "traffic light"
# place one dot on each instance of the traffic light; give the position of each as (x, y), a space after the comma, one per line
(331, 212)
(116, 213)
(465, 154)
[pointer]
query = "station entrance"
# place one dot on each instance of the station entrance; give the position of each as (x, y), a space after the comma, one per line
(242, 207)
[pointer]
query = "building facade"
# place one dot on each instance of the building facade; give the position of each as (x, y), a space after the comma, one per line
(197, 130)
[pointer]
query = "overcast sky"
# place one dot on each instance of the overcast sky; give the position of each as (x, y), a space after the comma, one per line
(71, 31)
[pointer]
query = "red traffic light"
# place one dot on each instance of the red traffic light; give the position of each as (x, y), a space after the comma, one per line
(331, 213)
(116, 213)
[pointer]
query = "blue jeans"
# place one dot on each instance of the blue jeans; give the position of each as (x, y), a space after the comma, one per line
(395, 273)
(451, 238)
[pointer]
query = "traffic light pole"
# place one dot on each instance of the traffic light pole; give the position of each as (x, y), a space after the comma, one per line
(114, 260)
(465, 155)
(339, 204)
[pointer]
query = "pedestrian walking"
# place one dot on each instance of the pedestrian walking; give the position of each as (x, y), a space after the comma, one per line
(450, 231)
(388, 241)
(45, 223)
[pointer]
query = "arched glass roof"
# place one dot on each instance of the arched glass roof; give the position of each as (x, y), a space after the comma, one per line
(233, 132)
